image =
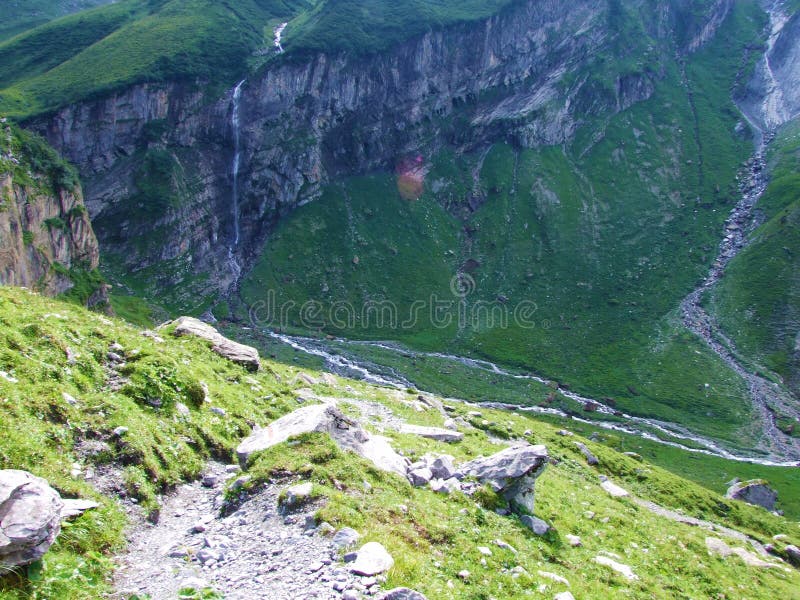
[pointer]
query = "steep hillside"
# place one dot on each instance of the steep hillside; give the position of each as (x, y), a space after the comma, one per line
(18, 15)
(46, 239)
(555, 146)
(602, 234)
(108, 412)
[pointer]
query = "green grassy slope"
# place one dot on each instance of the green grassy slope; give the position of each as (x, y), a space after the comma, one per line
(18, 15)
(41, 431)
(131, 42)
(758, 301)
(605, 236)
(98, 51)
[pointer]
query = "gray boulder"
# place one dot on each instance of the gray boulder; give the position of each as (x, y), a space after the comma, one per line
(591, 459)
(755, 492)
(402, 594)
(30, 517)
(345, 537)
(536, 525)
(372, 559)
(420, 477)
(295, 496)
(233, 351)
(511, 472)
(793, 554)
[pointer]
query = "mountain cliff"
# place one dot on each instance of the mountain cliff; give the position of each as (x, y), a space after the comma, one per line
(46, 238)
(156, 158)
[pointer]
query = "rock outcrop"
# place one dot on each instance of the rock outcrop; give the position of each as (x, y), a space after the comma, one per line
(44, 228)
(522, 76)
(755, 492)
(30, 517)
(511, 472)
(324, 418)
(233, 351)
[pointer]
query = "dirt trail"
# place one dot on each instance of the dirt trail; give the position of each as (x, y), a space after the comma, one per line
(250, 554)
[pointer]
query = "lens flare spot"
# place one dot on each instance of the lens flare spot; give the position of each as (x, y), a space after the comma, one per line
(411, 172)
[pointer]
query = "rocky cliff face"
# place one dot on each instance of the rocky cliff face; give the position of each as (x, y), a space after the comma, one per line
(530, 76)
(44, 229)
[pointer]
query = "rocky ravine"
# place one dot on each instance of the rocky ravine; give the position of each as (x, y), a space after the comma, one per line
(518, 76)
(772, 99)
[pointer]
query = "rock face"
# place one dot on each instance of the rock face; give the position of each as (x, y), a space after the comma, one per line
(44, 227)
(755, 492)
(325, 418)
(512, 473)
(516, 76)
(30, 517)
(234, 351)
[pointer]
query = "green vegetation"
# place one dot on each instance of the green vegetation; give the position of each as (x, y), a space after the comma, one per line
(17, 16)
(600, 241)
(757, 302)
(93, 53)
(45, 434)
(50, 348)
(33, 163)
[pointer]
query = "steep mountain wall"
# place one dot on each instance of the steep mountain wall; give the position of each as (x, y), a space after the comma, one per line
(45, 231)
(156, 159)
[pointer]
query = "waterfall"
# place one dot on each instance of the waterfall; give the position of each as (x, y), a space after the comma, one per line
(278, 33)
(233, 261)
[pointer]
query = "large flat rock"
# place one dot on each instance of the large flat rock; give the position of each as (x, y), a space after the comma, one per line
(432, 433)
(325, 418)
(233, 351)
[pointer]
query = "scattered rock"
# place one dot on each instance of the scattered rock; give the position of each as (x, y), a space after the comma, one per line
(420, 477)
(464, 574)
(345, 537)
(535, 524)
(372, 559)
(553, 577)
(182, 409)
(793, 554)
(511, 472)
(484, 550)
(233, 351)
(573, 540)
(75, 508)
(717, 546)
(120, 431)
(296, 496)
(623, 570)
(612, 488)
(591, 459)
(755, 492)
(564, 596)
(433, 433)
(71, 400)
(210, 480)
(30, 517)
(401, 594)
(505, 546)
(445, 486)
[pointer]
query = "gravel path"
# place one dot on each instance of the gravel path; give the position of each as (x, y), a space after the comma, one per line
(253, 553)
